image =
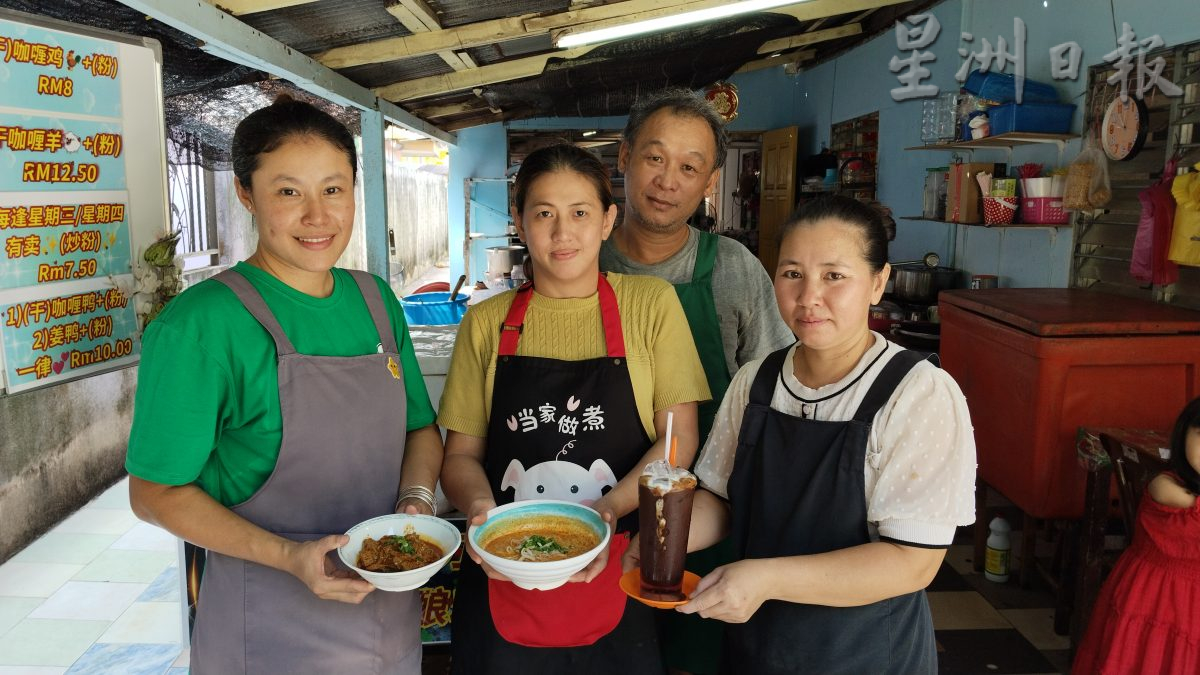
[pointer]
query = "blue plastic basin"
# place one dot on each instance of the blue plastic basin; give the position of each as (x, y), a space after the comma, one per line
(433, 309)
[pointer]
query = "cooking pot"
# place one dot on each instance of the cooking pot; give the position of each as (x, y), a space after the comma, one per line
(502, 259)
(921, 283)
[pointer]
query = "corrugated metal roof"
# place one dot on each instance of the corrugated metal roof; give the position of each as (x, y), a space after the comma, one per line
(499, 51)
(602, 82)
(317, 26)
(458, 12)
(379, 74)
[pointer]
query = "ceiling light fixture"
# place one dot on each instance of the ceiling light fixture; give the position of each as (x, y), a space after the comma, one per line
(567, 39)
(589, 133)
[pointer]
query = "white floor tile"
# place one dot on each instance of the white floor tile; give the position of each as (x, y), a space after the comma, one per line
(89, 600)
(184, 660)
(99, 521)
(34, 580)
(66, 547)
(958, 610)
(31, 670)
(14, 610)
(115, 497)
(48, 642)
(147, 622)
(147, 537)
(140, 567)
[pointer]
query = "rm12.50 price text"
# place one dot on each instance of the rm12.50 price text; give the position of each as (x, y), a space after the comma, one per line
(59, 172)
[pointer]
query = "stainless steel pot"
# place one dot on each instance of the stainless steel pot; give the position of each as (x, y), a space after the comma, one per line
(501, 259)
(920, 283)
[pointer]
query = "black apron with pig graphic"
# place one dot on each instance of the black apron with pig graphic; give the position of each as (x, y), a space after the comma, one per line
(558, 430)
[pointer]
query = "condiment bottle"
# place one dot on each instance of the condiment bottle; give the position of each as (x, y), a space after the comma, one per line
(999, 550)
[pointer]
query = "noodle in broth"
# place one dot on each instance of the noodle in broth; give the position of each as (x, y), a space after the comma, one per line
(542, 539)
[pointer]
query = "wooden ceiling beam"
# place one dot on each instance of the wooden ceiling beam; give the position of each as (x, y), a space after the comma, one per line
(504, 71)
(819, 9)
(780, 60)
(435, 111)
(810, 38)
(418, 17)
(239, 7)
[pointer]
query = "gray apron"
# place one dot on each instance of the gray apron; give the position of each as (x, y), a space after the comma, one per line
(339, 464)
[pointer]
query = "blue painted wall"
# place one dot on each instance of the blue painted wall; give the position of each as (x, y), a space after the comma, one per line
(481, 153)
(859, 82)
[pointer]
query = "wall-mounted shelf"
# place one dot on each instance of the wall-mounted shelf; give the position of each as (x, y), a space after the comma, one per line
(1004, 142)
(951, 222)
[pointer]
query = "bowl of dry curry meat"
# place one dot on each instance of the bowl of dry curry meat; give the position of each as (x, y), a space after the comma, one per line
(399, 551)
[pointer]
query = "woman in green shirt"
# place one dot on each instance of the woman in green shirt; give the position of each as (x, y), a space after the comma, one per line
(280, 403)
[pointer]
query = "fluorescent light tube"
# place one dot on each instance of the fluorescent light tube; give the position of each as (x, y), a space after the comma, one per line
(568, 39)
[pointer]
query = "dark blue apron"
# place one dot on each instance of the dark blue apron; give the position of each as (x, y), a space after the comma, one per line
(797, 489)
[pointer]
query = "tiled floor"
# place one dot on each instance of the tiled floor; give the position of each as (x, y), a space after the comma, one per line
(988, 628)
(99, 594)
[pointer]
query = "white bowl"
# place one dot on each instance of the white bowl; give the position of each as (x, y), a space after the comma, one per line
(434, 529)
(531, 575)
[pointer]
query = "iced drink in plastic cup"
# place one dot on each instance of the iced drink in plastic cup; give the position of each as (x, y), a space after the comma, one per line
(664, 517)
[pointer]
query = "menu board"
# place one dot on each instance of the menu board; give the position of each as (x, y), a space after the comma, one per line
(77, 198)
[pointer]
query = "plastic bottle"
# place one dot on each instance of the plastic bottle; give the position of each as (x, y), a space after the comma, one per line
(999, 550)
(517, 275)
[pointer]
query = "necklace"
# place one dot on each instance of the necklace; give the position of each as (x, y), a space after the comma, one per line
(806, 410)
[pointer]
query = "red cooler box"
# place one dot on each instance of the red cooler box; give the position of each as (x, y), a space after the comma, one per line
(1037, 363)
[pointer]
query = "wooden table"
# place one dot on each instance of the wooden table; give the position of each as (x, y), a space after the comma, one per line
(1138, 454)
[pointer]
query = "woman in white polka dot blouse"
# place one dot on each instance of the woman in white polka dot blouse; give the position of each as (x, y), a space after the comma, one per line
(840, 466)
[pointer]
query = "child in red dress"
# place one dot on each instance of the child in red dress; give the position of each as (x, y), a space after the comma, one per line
(1147, 618)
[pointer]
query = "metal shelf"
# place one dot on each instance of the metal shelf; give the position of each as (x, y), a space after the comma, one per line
(951, 222)
(1004, 142)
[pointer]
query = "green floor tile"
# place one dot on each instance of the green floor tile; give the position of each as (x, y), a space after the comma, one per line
(48, 642)
(129, 566)
(66, 547)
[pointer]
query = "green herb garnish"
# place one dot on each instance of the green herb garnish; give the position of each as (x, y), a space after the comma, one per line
(538, 544)
(401, 544)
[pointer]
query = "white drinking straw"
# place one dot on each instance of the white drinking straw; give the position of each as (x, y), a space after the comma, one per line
(667, 445)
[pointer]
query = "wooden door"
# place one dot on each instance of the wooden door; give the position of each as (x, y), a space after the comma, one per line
(777, 193)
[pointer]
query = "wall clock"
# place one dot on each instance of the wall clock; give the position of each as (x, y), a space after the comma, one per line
(1126, 123)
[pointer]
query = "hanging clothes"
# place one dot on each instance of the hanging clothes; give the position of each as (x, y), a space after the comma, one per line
(1149, 263)
(1185, 236)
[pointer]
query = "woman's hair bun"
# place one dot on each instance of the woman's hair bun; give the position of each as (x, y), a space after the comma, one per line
(283, 98)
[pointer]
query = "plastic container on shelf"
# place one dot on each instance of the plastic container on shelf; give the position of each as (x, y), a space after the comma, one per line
(1002, 88)
(433, 309)
(999, 210)
(935, 192)
(929, 119)
(1043, 211)
(947, 117)
(1044, 118)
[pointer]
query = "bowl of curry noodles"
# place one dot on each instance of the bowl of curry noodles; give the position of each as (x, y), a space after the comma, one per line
(540, 543)
(399, 551)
